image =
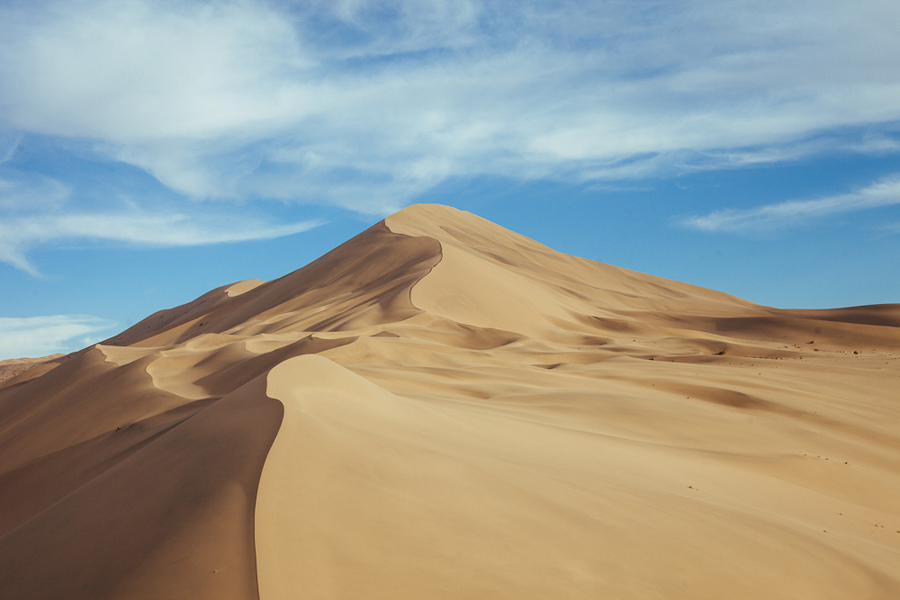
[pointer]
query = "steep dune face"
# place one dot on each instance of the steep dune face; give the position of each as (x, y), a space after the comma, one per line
(441, 408)
(362, 282)
(114, 488)
(130, 470)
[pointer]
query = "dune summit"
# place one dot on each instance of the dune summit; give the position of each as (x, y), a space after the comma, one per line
(441, 408)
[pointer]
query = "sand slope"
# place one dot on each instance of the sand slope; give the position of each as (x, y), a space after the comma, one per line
(441, 408)
(14, 370)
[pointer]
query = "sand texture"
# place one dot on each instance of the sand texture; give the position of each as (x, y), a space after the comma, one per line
(12, 371)
(441, 408)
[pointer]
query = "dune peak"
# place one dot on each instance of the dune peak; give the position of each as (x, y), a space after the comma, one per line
(441, 408)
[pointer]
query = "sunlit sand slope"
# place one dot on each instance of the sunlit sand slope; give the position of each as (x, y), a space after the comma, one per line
(552, 427)
(441, 408)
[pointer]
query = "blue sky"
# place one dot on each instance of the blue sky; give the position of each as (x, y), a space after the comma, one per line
(151, 151)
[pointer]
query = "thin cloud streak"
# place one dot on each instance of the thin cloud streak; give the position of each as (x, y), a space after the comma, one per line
(798, 212)
(8, 145)
(40, 336)
(27, 193)
(17, 235)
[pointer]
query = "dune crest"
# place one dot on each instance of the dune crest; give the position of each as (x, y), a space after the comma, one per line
(13, 370)
(442, 408)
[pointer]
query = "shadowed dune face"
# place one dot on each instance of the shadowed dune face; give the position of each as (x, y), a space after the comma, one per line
(114, 488)
(18, 370)
(887, 315)
(363, 282)
(441, 408)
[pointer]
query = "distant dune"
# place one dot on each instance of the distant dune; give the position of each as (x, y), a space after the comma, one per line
(442, 408)
(14, 367)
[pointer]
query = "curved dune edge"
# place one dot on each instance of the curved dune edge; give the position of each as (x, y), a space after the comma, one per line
(441, 408)
(547, 466)
(463, 287)
(130, 491)
(305, 476)
(491, 277)
(458, 284)
(367, 494)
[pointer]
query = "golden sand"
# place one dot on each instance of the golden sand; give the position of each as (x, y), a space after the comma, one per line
(441, 408)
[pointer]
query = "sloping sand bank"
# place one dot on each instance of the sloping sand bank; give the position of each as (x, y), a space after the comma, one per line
(441, 408)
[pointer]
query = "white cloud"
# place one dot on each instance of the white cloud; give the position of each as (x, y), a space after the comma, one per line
(797, 212)
(18, 234)
(366, 104)
(128, 71)
(40, 336)
(8, 145)
(31, 192)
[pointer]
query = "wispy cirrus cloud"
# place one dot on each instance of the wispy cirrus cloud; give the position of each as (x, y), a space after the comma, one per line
(8, 144)
(40, 336)
(365, 105)
(18, 234)
(798, 212)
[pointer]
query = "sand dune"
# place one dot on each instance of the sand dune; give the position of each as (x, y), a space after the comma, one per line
(441, 408)
(13, 370)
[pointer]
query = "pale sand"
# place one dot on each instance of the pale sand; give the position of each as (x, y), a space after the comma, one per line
(466, 414)
(13, 370)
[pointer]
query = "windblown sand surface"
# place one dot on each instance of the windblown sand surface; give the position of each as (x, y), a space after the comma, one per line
(441, 408)
(15, 368)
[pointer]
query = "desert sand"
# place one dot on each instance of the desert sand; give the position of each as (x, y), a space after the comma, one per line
(442, 408)
(16, 366)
